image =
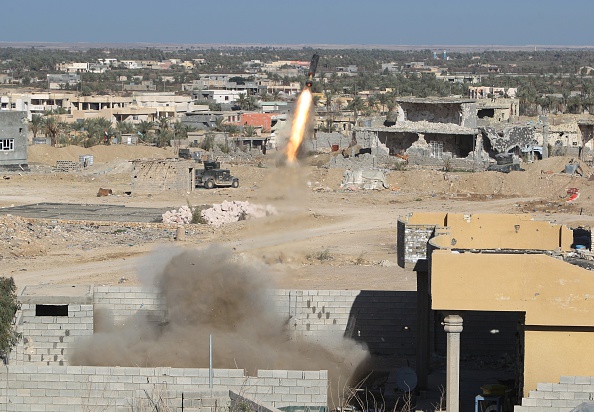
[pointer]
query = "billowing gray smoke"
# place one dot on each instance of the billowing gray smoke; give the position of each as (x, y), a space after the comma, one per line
(207, 292)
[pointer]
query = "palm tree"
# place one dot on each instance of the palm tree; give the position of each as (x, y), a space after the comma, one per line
(219, 125)
(51, 128)
(249, 131)
(144, 128)
(36, 124)
(163, 133)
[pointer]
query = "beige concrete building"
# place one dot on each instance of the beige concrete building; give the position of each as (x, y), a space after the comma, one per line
(506, 264)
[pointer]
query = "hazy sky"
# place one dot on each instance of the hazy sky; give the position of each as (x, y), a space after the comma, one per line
(385, 22)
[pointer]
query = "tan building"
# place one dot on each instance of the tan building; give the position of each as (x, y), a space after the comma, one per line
(506, 264)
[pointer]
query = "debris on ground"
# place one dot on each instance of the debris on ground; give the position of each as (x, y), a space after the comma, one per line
(181, 216)
(234, 211)
(573, 194)
(364, 179)
(104, 192)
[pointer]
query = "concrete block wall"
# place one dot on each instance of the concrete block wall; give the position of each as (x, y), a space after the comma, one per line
(160, 175)
(76, 388)
(559, 397)
(384, 320)
(48, 339)
(123, 302)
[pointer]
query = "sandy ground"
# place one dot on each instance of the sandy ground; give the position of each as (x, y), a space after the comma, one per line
(322, 238)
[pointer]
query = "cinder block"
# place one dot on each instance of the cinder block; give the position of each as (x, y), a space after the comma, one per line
(311, 374)
(566, 395)
(544, 402)
(281, 374)
(583, 380)
(297, 390)
(544, 387)
(561, 387)
(183, 380)
(567, 379)
(288, 398)
(304, 399)
(581, 396)
(528, 402)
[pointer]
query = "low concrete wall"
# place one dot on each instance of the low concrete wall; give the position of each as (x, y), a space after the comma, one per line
(80, 388)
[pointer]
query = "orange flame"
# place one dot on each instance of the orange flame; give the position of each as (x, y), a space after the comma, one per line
(299, 123)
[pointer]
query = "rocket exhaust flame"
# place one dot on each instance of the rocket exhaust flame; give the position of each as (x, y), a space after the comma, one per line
(302, 113)
(299, 124)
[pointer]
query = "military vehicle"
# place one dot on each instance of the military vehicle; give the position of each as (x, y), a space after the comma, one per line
(213, 176)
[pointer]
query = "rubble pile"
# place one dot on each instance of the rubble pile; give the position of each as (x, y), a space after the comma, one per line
(234, 211)
(20, 238)
(181, 216)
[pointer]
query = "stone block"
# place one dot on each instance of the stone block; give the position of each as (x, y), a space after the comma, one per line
(544, 402)
(283, 390)
(583, 380)
(303, 399)
(544, 387)
(264, 373)
(288, 398)
(280, 374)
(560, 387)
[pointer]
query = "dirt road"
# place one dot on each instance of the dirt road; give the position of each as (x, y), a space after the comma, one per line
(322, 238)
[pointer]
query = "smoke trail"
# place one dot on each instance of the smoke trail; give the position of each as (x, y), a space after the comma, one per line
(208, 292)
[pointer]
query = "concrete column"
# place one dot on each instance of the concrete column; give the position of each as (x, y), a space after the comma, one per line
(453, 327)
(423, 326)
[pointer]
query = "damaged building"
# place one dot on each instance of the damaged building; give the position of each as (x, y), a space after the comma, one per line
(158, 175)
(430, 130)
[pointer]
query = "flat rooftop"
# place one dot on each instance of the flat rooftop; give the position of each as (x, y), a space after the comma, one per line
(57, 294)
(73, 211)
(435, 100)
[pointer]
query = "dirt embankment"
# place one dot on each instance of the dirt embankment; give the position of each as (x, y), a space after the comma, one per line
(48, 155)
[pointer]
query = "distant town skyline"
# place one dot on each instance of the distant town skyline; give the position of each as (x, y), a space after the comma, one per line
(303, 22)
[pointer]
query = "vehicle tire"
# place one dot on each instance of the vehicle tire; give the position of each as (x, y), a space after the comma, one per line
(209, 184)
(235, 184)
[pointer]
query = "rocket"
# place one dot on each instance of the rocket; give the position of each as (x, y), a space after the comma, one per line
(313, 65)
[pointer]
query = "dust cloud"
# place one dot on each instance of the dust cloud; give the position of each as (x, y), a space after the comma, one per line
(210, 292)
